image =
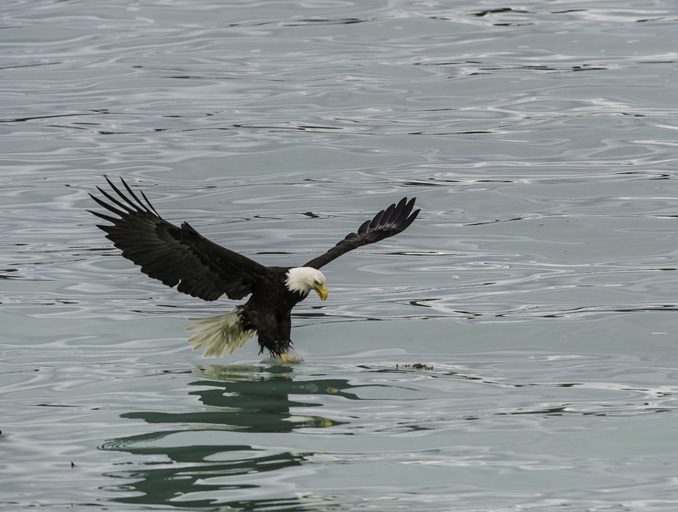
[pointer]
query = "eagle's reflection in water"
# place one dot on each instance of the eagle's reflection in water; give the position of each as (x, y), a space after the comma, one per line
(222, 451)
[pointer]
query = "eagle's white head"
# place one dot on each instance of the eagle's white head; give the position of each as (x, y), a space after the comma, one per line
(304, 279)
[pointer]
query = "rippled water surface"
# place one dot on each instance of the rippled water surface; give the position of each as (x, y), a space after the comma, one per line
(514, 349)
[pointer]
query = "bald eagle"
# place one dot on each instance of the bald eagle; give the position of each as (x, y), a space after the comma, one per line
(180, 256)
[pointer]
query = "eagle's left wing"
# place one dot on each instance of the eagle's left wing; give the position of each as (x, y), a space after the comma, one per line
(389, 222)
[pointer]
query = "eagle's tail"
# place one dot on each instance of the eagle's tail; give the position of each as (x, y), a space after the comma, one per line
(219, 334)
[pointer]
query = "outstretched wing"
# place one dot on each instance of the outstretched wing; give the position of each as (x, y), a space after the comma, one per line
(175, 255)
(386, 223)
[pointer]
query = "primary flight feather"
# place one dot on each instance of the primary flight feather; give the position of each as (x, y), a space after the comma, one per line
(182, 257)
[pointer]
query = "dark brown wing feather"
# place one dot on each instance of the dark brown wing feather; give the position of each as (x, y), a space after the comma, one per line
(391, 221)
(175, 255)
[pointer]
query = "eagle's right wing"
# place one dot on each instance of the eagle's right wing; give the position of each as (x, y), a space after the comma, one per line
(175, 255)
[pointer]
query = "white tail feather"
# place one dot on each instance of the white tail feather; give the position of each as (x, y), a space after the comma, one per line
(219, 334)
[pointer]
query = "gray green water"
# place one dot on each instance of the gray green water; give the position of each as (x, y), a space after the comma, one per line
(537, 288)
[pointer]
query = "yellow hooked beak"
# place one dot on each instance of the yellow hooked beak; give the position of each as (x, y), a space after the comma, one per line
(322, 291)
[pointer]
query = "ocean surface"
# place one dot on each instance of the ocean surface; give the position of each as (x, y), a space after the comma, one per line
(516, 349)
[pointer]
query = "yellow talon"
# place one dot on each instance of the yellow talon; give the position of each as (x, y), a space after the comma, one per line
(287, 359)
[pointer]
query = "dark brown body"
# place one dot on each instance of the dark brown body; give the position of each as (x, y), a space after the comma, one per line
(269, 312)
